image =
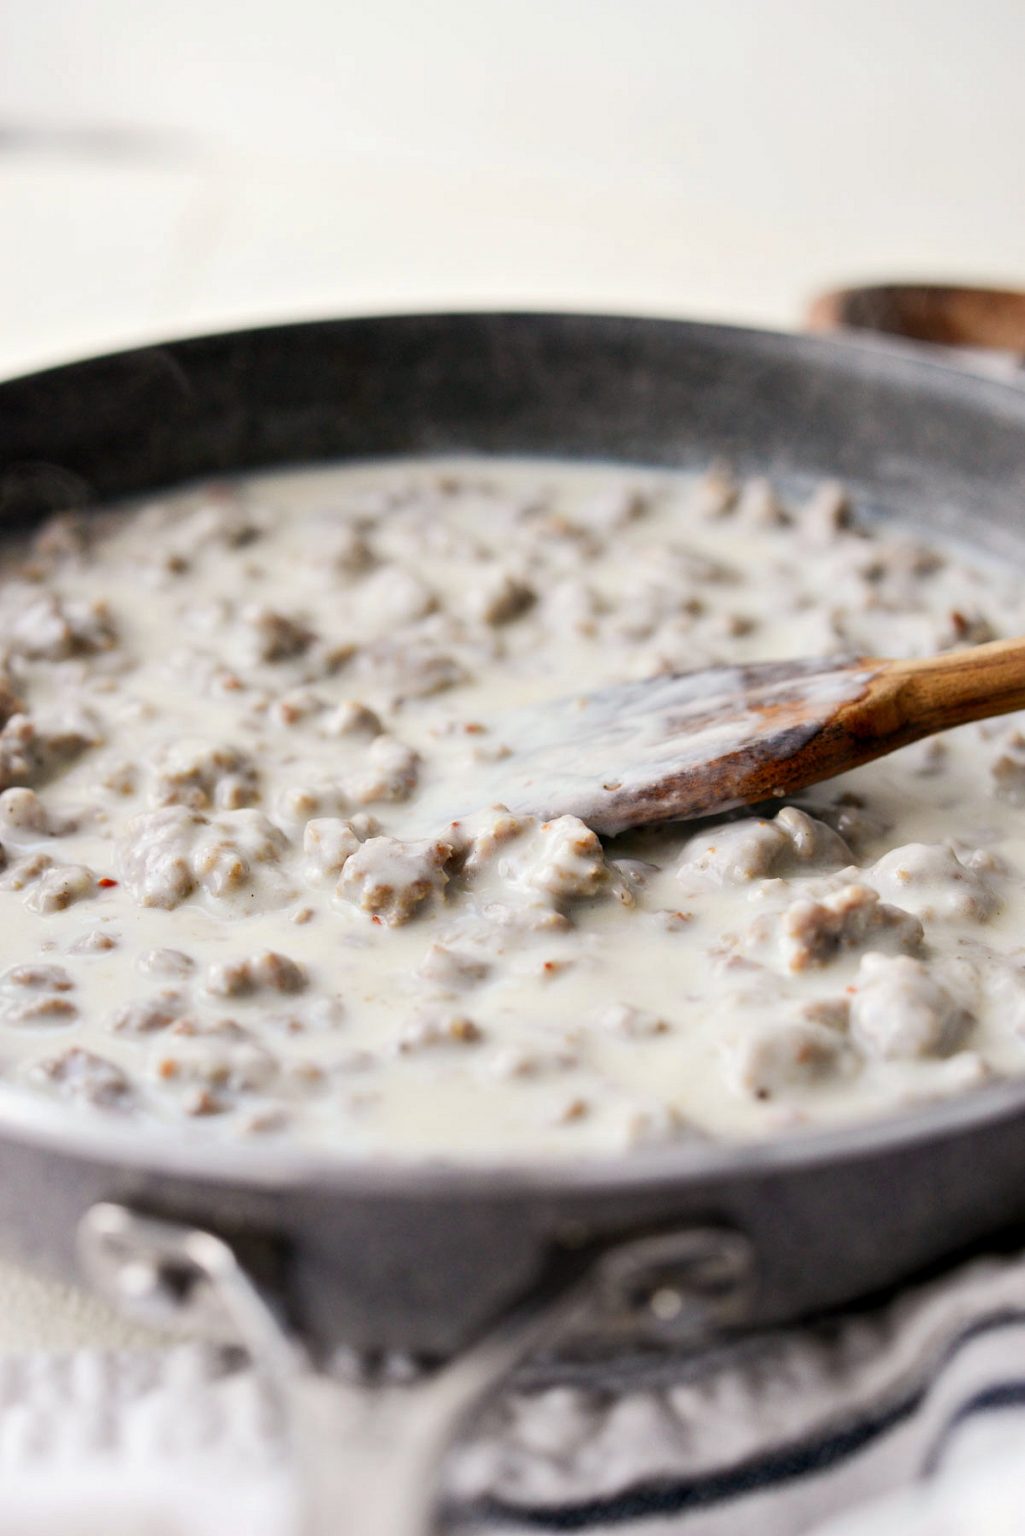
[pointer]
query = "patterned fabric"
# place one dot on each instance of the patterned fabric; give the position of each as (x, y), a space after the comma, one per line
(772, 1435)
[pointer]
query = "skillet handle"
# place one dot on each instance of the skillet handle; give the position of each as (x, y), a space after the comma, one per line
(368, 1449)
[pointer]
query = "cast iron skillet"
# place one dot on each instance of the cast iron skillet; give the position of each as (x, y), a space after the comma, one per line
(424, 1258)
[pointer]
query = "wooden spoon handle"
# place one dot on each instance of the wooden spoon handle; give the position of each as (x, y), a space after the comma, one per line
(915, 698)
(947, 316)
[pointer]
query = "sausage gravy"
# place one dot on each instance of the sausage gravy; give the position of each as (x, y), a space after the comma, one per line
(236, 894)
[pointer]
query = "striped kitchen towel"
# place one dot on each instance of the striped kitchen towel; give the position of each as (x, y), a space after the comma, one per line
(778, 1434)
(919, 1402)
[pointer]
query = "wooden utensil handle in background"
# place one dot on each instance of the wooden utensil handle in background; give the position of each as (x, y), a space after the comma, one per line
(945, 315)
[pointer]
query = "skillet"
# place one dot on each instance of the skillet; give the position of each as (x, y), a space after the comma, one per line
(301, 1254)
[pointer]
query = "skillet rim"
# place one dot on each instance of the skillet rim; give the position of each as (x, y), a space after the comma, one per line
(71, 1133)
(859, 349)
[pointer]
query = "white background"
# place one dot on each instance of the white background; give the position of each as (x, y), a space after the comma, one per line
(180, 164)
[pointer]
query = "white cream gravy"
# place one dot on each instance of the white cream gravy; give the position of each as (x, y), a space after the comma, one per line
(232, 899)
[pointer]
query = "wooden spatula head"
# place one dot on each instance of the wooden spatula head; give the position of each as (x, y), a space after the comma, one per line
(679, 746)
(688, 745)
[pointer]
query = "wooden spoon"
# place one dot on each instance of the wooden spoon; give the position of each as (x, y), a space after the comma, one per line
(943, 314)
(689, 745)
